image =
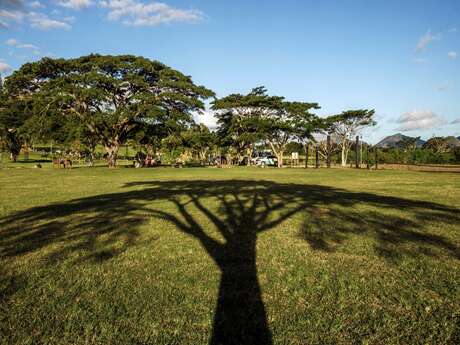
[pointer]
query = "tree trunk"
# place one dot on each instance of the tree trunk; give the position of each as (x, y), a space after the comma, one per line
(250, 152)
(344, 153)
(150, 150)
(112, 151)
(202, 155)
(14, 156)
(280, 156)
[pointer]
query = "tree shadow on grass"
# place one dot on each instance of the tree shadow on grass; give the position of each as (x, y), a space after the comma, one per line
(101, 227)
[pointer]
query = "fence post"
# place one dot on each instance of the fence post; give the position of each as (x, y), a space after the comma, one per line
(328, 157)
(357, 152)
(317, 157)
(306, 155)
(376, 158)
(368, 166)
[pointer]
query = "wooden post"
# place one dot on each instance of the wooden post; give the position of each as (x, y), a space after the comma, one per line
(317, 157)
(306, 155)
(368, 166)
(328, 153)
(357, 152)
(376, 158)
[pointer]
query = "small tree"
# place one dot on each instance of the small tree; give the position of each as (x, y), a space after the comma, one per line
(347, 125)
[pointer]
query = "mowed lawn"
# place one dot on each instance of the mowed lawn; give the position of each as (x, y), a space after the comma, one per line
(229, 256)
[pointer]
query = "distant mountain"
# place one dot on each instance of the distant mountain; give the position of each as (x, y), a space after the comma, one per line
(394, 141)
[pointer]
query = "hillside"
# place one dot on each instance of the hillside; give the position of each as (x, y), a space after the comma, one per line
(394, 140)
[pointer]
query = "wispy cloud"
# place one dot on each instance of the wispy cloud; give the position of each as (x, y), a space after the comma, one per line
(4, 67)
(138, 13)
(419, 119)
(15, 43)
(7, 16)
(11, 3)
(452, 55)
(43, 22)
(425, 41)
(452, 30)
(36, 4)
(18, 14)
(75, 4)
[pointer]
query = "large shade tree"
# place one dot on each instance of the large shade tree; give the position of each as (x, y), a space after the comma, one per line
(347, 125)
(290, 120)
(15, 123)
(113, 96)
(239, 118)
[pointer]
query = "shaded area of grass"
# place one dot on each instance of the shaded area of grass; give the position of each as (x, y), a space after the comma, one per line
(226, 217)
(105, 260)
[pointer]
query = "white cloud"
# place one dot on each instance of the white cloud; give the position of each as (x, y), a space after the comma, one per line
(11, 3)
(26, 46)
(452, 55)
(36, 4)
(75, 4)
(12, 42)
(43, 22)
(425, 40)
(13, 15)
(452, 30)
(34, 19)
(4, 67)
(419, 119)
(15, 43)
(138, 13)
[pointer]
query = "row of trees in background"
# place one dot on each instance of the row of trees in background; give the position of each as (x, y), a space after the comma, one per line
(110, 100)
(436, 150)
(114, 100)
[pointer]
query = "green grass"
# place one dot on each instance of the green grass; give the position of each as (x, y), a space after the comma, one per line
(230, 256)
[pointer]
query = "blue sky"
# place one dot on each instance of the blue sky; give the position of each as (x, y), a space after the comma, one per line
(398, 57)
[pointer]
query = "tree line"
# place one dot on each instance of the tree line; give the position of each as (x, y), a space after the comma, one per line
(112, 100)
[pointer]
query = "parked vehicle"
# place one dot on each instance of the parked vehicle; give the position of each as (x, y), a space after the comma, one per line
(265, 161)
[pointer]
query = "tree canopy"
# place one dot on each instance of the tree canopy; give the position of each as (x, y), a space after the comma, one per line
(346, 125)
(113, 96)
(245, 119)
